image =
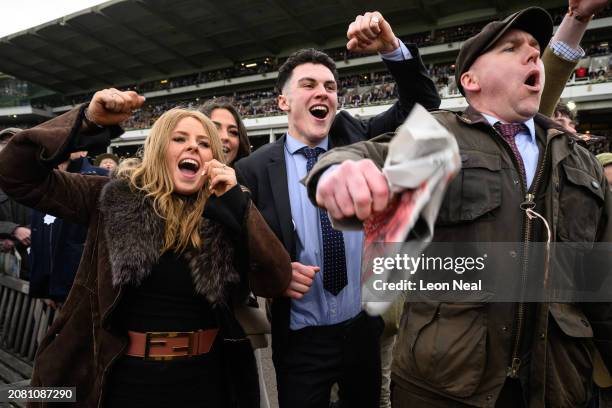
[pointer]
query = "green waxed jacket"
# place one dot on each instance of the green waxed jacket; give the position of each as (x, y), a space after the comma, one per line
(462, 350)
(556, 71)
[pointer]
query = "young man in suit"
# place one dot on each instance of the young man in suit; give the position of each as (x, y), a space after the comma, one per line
(320, 336)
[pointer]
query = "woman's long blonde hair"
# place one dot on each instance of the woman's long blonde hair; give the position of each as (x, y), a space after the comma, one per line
(182, 214)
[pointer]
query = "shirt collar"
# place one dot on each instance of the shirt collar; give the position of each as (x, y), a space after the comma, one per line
(529, 123)
(293, 145)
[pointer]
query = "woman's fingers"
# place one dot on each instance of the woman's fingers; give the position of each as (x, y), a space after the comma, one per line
(221, 176)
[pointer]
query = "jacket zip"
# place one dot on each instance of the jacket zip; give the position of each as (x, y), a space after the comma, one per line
(51, 251)
(529, 203)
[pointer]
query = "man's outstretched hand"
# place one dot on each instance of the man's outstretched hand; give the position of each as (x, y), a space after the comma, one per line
(353, 189)
(371, 33)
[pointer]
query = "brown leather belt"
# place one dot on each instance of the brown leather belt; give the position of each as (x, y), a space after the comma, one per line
(170, 345)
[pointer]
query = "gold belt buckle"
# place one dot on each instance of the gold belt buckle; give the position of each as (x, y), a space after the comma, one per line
(156, 339)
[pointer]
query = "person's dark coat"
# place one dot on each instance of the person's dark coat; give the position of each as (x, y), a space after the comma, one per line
(13, 215)
(57, 246)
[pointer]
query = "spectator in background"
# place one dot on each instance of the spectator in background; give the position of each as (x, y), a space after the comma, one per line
(57, 245)
(565, 116)
(126, 166)
(107, 161)
(231, 129)
(601, 373)
(606, 161)
(15, 231)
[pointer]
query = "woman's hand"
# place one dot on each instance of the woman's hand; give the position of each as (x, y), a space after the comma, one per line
(111, 106)
(221, 177)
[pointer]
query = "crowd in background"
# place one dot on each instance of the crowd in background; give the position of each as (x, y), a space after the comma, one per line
(18, 92)
(371, 88)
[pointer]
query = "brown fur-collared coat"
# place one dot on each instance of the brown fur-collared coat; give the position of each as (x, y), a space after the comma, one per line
(239, 254)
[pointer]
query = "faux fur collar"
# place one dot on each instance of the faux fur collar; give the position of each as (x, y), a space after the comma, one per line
(134, 235)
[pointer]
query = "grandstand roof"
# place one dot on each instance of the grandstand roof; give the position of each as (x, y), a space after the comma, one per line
(125, 42)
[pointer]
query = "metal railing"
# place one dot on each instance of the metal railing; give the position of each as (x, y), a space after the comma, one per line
(23, 323)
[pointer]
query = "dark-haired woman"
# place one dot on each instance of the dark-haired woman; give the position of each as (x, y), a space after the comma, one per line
(231, 129)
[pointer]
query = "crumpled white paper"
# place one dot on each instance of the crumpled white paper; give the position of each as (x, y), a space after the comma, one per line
(423, 158)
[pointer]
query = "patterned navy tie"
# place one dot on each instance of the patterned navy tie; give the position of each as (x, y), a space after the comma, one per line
(334, 259)
(509, 131)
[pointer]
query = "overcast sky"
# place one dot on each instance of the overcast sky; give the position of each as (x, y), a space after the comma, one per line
(18, 15)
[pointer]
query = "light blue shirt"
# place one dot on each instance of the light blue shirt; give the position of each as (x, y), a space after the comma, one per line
(318, 307)
(527, 146)
(399, 54)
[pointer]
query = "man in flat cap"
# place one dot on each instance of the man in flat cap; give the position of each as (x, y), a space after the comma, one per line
(515, 163)
(108, 161)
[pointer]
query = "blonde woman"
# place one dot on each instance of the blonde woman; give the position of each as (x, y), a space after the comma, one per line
(173, 244)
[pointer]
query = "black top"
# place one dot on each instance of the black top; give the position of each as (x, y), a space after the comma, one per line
(166, 301)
